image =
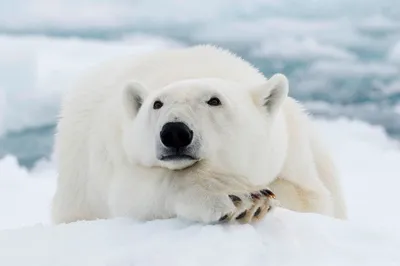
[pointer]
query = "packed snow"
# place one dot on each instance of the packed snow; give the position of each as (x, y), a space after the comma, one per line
(369, 165)
(284, 238)
(25, 196)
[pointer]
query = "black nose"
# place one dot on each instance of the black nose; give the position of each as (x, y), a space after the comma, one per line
(176, 135)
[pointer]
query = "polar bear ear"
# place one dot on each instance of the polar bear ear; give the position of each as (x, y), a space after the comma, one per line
(133, 96)
(272, 93)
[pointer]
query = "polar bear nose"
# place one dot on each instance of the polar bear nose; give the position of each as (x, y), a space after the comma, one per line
(176, 135)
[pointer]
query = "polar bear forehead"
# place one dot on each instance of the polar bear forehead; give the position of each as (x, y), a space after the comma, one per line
(194, 89)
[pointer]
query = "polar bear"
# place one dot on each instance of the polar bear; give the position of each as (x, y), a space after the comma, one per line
(194, 132)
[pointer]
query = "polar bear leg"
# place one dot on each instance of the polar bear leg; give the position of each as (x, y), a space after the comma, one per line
(70, 205)
(198, 204)
(328, 174)
(66, 209)
(309, 181)
(297, 198)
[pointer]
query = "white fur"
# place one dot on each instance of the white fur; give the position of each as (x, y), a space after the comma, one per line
(108, 136)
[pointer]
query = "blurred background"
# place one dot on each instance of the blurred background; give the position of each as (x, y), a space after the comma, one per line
(342, 57)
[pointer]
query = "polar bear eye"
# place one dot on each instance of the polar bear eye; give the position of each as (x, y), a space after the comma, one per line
(214, 101)
(157, 105)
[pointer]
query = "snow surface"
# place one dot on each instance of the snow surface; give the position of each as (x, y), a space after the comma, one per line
(24, 196)
(284, 238)
(369, 165)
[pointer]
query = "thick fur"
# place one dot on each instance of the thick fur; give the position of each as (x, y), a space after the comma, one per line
(107, 141)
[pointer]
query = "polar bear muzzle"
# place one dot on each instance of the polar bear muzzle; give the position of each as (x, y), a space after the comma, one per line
(176, 137)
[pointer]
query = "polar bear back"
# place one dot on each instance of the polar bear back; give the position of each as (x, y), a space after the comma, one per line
(158, 69)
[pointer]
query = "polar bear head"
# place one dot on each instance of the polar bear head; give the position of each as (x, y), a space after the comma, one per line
(195, 120)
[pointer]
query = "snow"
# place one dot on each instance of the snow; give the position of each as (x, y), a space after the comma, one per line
(368, 162)
(284, 238)
(24, 196)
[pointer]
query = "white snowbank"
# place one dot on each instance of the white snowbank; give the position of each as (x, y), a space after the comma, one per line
(369, 165)
(35, 70)
(24, 196)
(284, 238)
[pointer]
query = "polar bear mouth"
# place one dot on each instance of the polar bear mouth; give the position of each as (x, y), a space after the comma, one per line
(178, 157)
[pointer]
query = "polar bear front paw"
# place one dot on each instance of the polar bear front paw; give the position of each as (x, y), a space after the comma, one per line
(202, 206)
(251, 207)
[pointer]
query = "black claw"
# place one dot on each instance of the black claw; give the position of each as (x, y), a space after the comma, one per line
(243, 214)
(223, 218)
(258, 211)
(235, 198)
(255, 196)
(268, 193)
(269, 208)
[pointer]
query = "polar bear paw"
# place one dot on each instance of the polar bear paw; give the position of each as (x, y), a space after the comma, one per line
(251, 207)
(201, 205)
